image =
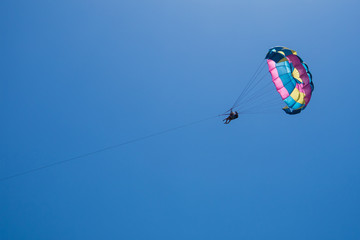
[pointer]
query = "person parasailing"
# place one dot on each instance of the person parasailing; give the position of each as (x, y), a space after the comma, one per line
(232, 116)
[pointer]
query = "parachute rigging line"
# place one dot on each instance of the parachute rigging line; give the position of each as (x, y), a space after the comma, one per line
(259, 92)
(256, 81)
(262, 107)
(49, 165)
(249, 91)
(262, 101)
(247, 86)
(269, 95)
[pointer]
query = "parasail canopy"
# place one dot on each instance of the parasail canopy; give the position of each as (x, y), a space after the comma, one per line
(291, 77)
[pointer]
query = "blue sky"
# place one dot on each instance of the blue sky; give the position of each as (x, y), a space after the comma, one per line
(80, 75)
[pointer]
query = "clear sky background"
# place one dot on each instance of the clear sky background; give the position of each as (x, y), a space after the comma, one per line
(80, 75)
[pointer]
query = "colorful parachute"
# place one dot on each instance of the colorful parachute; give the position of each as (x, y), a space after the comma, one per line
(291, 77)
